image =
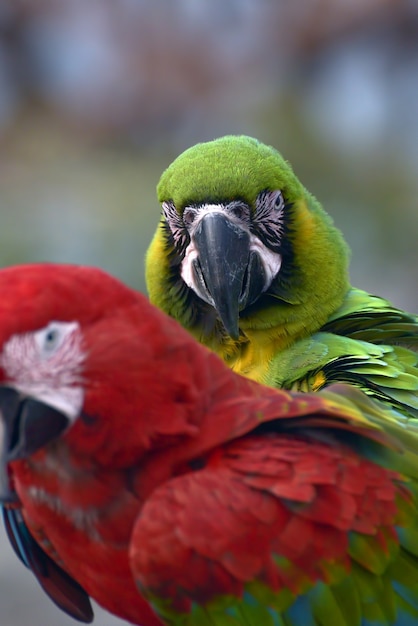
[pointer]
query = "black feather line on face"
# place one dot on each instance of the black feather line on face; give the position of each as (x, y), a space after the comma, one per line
(175, 259)
(196, 312)
(270, 218)
(285, 247)
(176, 239)
(272, 223)
(176, 234)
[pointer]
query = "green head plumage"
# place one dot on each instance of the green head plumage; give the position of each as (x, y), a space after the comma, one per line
(217, 177)
(226, 168)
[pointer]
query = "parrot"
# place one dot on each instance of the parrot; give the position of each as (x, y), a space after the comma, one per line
(142, 472)
(248, 261)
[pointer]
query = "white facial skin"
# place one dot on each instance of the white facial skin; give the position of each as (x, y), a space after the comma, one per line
(271, 260)
(269, 207)
(46, 365)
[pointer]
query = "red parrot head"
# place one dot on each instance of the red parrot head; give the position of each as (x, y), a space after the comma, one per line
(75, 353)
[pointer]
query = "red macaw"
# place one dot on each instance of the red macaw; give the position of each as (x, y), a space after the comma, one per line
(173, 491)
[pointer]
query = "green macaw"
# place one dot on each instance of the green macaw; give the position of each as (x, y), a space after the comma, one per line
(249, 262)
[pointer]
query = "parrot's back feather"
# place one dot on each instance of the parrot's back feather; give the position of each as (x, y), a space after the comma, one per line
(318, 511)
(309, 535)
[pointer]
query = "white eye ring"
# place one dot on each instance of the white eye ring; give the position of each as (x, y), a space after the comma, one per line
(50, 338)
(279, 201)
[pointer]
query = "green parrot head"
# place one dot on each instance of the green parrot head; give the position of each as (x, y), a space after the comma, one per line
(241, 238)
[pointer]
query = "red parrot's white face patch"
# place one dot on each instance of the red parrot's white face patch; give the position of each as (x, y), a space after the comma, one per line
(46, 364)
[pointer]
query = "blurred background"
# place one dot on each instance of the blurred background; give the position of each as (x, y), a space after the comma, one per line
(98, 97)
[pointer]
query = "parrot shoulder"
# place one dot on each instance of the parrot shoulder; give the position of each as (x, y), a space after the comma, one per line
(371, 318)
(386, 371)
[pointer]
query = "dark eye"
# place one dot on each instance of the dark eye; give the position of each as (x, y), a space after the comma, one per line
(51, 338)
(189, 216)
(238, 211)
(279, 202)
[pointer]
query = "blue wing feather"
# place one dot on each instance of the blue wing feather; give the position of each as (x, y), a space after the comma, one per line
(63, 590)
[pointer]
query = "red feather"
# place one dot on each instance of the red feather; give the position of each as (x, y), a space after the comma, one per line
(180, 476)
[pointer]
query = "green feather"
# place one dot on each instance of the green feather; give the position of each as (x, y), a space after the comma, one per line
(348, 601)
(329, 607)
(198, 174)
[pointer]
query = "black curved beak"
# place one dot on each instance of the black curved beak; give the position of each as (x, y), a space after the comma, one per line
(228, 275)
(26, 425)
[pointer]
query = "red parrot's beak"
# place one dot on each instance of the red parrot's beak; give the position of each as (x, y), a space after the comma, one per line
(26, 425)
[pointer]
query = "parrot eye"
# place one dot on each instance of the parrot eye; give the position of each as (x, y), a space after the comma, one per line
(239, 210)
(46, 365)
(50, 338)
(270, 217)
(189, 215)
(279, 201)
